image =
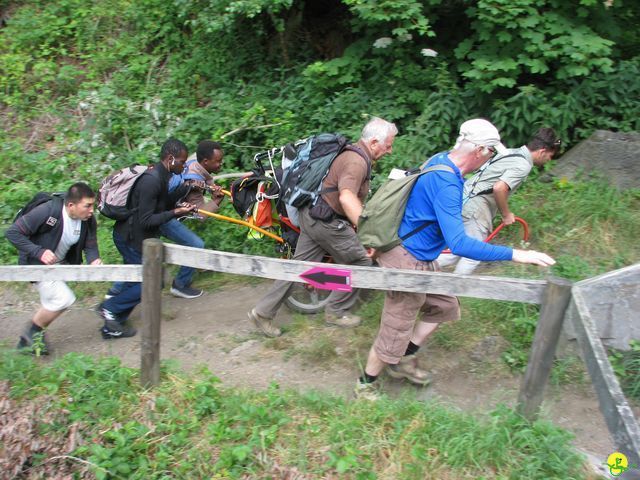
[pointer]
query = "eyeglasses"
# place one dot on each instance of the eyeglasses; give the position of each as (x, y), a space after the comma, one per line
(492, 150)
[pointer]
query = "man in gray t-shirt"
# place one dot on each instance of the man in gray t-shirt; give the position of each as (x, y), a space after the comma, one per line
(487, 192)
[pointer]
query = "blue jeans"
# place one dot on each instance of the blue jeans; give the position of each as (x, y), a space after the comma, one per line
(179, 233)
(130, 293)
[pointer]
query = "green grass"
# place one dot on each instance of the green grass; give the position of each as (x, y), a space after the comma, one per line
(191, 426)
(626, 365)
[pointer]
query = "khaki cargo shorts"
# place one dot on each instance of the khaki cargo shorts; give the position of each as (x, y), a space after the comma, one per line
(401, 309)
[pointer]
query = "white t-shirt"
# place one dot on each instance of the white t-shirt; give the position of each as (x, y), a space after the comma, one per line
(70, 234)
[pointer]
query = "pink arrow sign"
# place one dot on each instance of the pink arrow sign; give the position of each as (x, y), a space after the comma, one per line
(326, 278)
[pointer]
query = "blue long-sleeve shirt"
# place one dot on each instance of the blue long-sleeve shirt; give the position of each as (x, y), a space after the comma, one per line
(437, 197)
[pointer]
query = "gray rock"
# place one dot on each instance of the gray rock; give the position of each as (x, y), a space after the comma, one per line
(612, 156)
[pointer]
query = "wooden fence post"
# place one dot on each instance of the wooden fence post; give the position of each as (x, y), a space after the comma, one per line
(152, 260)
(554, 305)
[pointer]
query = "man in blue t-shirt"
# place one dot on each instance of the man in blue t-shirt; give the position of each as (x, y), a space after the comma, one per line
(436, 200)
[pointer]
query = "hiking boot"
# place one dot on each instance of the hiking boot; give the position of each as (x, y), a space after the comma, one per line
(265, 325)
(409, 369)
(185, 292)
(113, 330)
(366, 391)
(34, 343)
(347, 320)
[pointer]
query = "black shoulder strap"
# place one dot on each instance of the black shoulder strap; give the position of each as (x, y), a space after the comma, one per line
(482, 170)
(56, 204)
(365, 157)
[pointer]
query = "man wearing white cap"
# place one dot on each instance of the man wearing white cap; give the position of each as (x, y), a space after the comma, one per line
(431, 221)
(487, 192)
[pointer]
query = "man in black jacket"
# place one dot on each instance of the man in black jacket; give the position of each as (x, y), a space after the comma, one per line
(56, 231)
(152, 206)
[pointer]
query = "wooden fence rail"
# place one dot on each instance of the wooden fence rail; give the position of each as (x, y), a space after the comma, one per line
(477, 286)
(555, 295)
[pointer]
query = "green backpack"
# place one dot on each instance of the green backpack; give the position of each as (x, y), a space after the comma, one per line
(380, 220)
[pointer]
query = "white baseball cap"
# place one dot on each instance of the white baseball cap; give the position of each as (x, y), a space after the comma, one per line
(481, 132)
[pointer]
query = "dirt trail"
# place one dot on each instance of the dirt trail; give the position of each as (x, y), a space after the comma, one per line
(213, 330)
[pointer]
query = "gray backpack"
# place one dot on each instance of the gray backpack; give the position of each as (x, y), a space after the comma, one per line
(380, 220)
(114, 192)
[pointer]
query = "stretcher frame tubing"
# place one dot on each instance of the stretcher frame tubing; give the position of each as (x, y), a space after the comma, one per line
(492, 235)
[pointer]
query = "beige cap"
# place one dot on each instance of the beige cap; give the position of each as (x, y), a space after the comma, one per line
(481, 132)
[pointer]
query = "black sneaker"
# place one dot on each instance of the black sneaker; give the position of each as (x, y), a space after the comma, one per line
(113, 330)
(34, 343)
(185, 292)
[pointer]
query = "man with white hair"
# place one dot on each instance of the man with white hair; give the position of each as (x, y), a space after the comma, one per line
(328, 226)
(432, 220)
(487, 192)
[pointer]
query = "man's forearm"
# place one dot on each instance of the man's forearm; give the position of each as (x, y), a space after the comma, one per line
(501, 194)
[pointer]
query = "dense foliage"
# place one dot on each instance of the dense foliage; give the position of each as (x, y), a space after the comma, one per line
(104, 83)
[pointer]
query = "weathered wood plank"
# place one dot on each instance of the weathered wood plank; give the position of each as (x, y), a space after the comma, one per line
(495, 288)
(614, 302)
(556, 299)
(613, 404)
(80, 273)
(152, 259)
(612, 277)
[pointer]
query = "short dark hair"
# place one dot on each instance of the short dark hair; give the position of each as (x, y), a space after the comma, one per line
(206, 148)
(545, 138)
(174, 147)
(78, 191)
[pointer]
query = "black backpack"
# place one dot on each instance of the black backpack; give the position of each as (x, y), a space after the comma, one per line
(245, 189)
(310, 162)
(38, 199)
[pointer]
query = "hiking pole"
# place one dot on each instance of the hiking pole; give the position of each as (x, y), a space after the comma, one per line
(492, 235)
(240, 222)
